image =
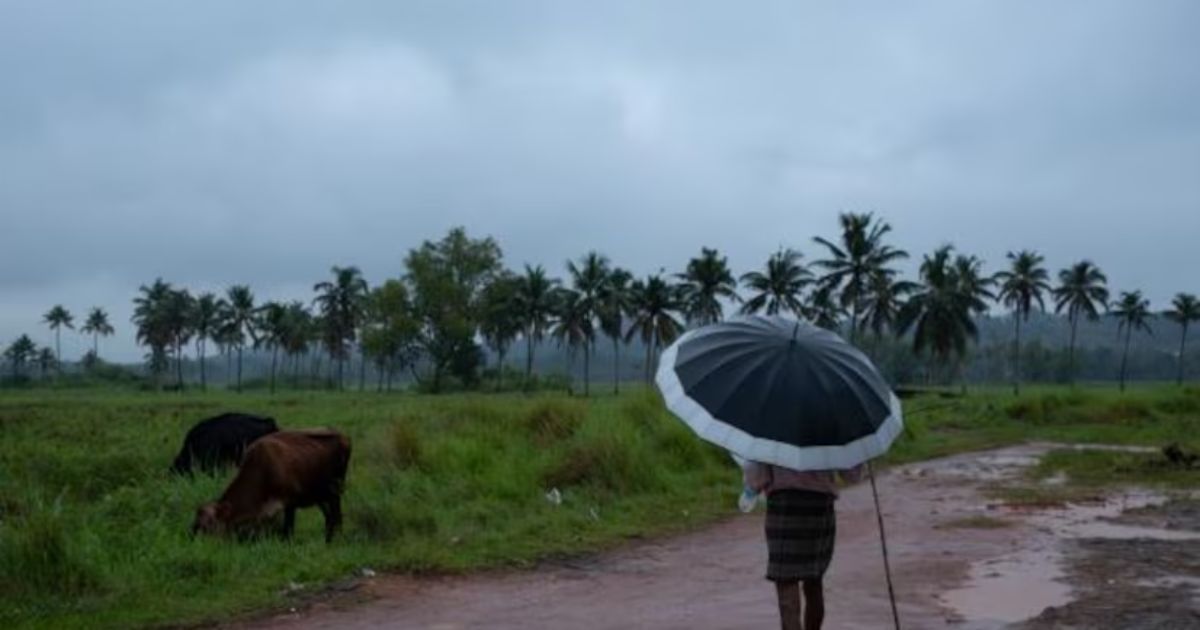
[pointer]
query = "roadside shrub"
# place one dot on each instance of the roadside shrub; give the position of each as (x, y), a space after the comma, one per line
(554, 420)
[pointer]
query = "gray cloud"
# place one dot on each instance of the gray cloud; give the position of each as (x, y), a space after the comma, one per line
(229, 142)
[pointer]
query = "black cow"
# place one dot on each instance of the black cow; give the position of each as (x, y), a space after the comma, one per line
(220, 440)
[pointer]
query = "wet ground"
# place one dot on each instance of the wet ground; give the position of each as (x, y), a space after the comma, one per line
(960, 560)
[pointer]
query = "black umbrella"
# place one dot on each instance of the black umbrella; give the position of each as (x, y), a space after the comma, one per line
(783, 392)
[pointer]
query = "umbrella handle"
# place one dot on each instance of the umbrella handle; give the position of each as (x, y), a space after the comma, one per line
(887, 568)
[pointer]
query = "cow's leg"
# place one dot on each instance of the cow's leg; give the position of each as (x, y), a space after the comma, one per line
(332, 509)
(289, 521)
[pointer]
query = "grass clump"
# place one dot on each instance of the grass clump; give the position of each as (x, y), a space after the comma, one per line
(39, 559)
(406, 445)
(551, 421)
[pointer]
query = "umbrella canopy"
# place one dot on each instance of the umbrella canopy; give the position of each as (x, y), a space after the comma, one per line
(781, 392)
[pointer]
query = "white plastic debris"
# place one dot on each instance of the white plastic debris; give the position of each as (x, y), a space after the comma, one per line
(554, 497)
(366, 572)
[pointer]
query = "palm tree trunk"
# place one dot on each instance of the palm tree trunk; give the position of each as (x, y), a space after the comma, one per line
(1182, 347)
(500, 370)
(1017, 359)
(380, 369)
(96, 345)
(854, 323)
(587, 356)
(239, 368)
(1071, 349)
(1125, 356)
(616, 366)
(179, 365)
(649, 356)
(529, 361)
(362, 370)
(203, 371)
(274, 358)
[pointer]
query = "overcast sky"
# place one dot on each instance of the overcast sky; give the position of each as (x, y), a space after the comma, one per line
(262, 142)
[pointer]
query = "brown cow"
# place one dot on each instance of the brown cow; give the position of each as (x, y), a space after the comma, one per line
(282, 471)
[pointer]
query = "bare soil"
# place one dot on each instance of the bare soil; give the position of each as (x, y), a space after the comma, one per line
(959, 559)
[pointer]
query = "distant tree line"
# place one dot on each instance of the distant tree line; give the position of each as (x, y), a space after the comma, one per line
(456, 304)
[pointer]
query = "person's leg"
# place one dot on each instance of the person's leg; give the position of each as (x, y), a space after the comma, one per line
(789, 605)
(814, 604)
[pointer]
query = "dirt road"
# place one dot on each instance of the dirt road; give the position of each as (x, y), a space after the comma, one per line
(958, 560)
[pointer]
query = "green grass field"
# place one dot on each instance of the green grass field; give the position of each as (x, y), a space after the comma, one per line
(93, 531)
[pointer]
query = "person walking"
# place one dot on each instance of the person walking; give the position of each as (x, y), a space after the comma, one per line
(801, 526)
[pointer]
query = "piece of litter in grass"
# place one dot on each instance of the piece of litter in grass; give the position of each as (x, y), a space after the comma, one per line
(554, 496)
(595, 514)
(366, 572)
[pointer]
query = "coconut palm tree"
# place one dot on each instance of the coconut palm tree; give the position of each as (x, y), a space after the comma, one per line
(860, 255)
(298, 332)
(58, 317)
(972, 284)
(572, 326)
(19, 353)
(588, 278)
(342, 302)
(706, 282)
(1081, 290)
(239, 322)
(1185, 309)
(46, 360)
(272, 322)
(823, 308)
(1021, 286)
(535, 304)
(153, 327)
(779, 287)
(882, 302)
(614, 306)
(1132, 312)
(501, 323)
(653, 307)
(206, 318)
(940, 312)
(97, 326)
(177, 318)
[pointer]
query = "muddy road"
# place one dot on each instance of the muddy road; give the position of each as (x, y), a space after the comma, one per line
(1125, 560)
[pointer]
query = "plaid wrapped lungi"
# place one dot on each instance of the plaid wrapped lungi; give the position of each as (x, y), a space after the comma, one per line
(801, 526)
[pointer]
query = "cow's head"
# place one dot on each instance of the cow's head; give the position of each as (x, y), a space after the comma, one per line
(212, 518)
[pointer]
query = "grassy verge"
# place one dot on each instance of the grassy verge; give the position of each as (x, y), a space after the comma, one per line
(93, 532)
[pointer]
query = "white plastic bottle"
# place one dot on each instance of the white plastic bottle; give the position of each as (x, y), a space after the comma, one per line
(747, 500)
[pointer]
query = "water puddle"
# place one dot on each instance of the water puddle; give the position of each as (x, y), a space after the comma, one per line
(1012, 588)
(1020, 586)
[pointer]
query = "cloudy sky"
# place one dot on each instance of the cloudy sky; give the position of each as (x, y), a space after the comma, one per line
(219, 142)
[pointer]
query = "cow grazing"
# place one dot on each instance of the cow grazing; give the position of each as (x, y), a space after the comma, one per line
(284, 471)
(219, 441)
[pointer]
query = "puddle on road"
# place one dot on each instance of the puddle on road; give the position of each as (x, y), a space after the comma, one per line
(1012, 588)
(1020, 586)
